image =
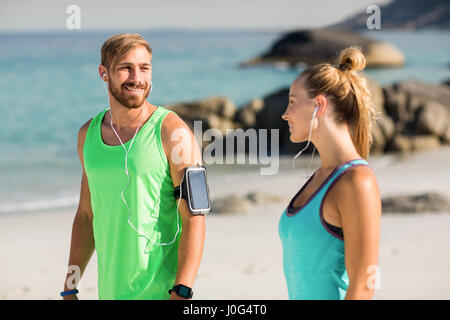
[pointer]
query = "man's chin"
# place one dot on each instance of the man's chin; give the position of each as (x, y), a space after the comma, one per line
(134, 103)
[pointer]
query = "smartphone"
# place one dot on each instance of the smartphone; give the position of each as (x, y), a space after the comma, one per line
(197, 189)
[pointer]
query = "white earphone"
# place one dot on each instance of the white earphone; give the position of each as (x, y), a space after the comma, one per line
(316, 109)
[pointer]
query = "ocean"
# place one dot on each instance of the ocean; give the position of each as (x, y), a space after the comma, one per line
(49, 87)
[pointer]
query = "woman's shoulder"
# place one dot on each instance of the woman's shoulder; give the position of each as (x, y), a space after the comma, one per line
(358, 177)
(357, 189)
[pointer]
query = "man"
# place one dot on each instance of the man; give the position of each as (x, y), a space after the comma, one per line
(127, 211)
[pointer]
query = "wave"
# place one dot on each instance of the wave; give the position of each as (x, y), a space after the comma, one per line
(37, 205)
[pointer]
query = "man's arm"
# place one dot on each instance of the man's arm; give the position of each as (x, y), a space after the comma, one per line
(82, 243)
(182, 150)
(360, 211)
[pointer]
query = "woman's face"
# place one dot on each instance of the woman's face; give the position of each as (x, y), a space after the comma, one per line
(299, 112)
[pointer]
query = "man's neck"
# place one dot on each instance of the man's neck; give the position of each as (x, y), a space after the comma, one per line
(124, 118)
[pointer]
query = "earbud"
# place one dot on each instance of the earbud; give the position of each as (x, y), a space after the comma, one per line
(103, 75)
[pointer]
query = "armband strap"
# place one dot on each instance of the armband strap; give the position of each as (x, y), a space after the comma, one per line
(181, 190)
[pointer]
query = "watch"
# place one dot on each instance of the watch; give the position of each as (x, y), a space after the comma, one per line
(182, 291)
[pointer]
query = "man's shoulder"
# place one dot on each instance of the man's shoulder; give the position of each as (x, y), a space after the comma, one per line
(172, 122)
(84, 128)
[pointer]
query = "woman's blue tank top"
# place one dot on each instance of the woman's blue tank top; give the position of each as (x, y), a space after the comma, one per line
(313, 252)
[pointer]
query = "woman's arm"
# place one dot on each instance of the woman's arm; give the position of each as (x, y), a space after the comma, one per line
(360, 212)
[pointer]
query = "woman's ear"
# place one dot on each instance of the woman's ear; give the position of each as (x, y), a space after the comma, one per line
(321, 102)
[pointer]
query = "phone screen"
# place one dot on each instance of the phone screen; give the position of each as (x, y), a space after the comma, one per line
(198, 189)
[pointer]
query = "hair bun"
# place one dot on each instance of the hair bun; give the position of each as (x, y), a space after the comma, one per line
(351, 59)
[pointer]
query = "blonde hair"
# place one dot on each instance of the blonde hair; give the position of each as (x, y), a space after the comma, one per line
(117, 46)
(348, 92)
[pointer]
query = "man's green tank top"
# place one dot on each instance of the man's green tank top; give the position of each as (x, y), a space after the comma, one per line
(129, 265)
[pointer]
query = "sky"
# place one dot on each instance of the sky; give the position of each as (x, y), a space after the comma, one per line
(96, 15)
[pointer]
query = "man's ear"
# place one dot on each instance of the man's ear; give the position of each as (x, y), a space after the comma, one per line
(103, 73)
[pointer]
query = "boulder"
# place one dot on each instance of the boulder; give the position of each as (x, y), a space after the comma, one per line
(432, 117)
(406, 143)
(214, 113)
(321, 45)
(221, 106)
(427, 91)
(395, 103)
(418, 203)
(239, 203)
(246, 115)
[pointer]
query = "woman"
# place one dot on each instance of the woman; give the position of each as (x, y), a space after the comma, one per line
(330, 229)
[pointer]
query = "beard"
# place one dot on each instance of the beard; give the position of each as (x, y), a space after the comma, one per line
(126, 99)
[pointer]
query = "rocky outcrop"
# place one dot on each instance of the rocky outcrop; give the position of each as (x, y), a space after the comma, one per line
(421, 113)
(319, 45)
(411, 116)
(213, 112)
(405, 14)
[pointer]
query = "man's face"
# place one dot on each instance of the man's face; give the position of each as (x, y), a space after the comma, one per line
(130, 80)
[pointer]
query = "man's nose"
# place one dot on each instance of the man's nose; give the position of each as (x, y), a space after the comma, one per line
(135, 76)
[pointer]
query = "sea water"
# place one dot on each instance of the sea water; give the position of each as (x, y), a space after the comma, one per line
(49, 87)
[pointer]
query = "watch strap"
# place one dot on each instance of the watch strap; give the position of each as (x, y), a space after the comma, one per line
(182, 291)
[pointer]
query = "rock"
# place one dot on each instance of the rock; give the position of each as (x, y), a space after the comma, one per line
(247, 114)
(387, 127)
(220, 106)
(231, 204)
(322, 45)
(414, 103)
(263, 198)
(269, 117)
(396, 103)
(383, 54)
(425, 202)
(214, 112)
(427, 91)
(406, 143)
(446, 136)
(432, 118)
(242, 203)
(383, 131)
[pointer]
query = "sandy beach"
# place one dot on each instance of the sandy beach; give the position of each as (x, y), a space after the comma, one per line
(242, 250)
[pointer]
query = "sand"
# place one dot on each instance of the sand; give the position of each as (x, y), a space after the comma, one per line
(242, 252)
